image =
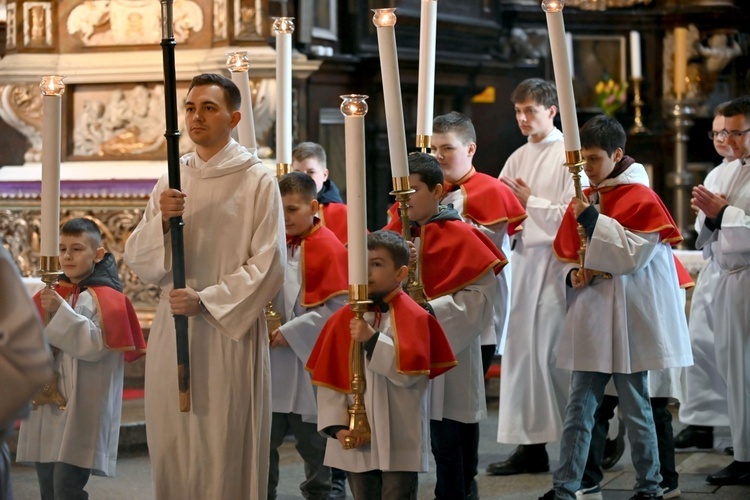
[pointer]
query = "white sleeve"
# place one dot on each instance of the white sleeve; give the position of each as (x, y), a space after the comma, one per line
(615, 250)
(333, 408)
(302, 331)
(77, 332)
(383, 362)
(734, 235)
(466, 313)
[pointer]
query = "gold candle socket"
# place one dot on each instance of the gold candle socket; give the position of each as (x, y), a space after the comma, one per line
(424, 142)
(402, 191)
(283, 169)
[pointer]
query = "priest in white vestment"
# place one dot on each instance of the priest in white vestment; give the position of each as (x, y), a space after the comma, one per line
(234, 265)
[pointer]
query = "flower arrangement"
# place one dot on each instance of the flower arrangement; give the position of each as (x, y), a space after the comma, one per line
(610, 96)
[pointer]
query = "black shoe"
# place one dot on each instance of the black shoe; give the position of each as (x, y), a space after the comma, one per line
(523, 460)
(550, 495)
(695, 436)
(729, 450)
(734, 473)
(644, 496)
(338, 486)
(614, 448)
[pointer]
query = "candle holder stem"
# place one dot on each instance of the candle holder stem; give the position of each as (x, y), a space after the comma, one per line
(403, 192)
(638, 127)
(358, 423)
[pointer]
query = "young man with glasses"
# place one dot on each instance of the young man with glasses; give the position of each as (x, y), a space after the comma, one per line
(726, 234)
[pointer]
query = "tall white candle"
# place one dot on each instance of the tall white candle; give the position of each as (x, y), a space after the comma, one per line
(354, 109)
(680, 61)
(284, 27)
(385, 20)
(426, 86)
(635, 55)
(569, 46)
(239, 65)
(52, 88)
(563, 80)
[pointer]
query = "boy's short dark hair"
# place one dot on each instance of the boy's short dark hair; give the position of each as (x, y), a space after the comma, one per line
(81, 225)
(393, 243)
(455, 123)
(305, 150)
(738, 106)
(298, 183)
(231, 92)
(427, 168)
(719, 109)
(540, 91)
(603, 132)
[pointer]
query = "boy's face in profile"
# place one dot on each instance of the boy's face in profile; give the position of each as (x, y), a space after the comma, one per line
(423, 203)
(382, 273)
(312, 167)
(298, 213)
(599, 164)
(78, 255)
(454, 156)
(720, 139)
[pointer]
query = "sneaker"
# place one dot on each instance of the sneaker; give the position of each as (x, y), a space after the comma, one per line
(645, 496)
(550, 495)
(673, 492)
(593, 493)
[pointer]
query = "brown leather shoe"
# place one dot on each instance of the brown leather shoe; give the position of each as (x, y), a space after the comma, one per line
(523, 460)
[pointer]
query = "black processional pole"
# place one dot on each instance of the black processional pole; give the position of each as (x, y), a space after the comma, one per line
(172, 135)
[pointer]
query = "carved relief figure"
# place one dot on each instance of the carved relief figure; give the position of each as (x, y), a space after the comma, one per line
(248, 15)
(130, 22)
(220, 20)
(11, 26)
(37, 24)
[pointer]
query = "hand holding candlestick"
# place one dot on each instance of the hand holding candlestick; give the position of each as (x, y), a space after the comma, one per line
(354, 109)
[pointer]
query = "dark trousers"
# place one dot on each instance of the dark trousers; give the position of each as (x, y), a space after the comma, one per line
(488, 353)
(593, 473)
(385, 485)
(455, 446)
(310, 445)
(61, 481)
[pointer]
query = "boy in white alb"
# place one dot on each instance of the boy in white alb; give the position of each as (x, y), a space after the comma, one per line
(482, 201)
(92, 323)
(623, 325)
(314, 288)
(404, 347)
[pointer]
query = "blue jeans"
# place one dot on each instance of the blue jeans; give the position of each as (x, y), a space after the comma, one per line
(586, 394)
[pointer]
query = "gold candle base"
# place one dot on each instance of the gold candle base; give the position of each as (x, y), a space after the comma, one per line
(424, 142)
(283, 169)
(638, 127)
(273, 320)
(50, 271)
(358, 424)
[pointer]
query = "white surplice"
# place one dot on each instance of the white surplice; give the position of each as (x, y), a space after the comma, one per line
(634, 321)
(533, 391)
(234, 258)
(705, 393)
(396, 406)
(86, 433)
(291, 387)
(730, 247)
(498, 233)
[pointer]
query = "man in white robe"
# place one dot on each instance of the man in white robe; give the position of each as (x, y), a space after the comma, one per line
(705, 396)
(727, 230)
(234, 265)
(533, 391)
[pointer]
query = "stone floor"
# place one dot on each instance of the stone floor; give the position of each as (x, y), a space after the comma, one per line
(133, 481)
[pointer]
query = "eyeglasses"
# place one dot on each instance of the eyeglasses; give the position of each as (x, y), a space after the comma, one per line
(712, 134)
(737, 133)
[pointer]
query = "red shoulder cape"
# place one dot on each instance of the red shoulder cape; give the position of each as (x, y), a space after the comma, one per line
(452, 255)
(488, 201)
(324, 266)
(419, 340)
(333, 216)
(118, 320)
(637, 208)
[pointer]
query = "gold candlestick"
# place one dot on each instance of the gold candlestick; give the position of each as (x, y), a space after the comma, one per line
(638, 127)
(358, 423)
(402, 191)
